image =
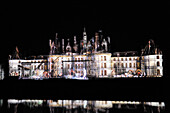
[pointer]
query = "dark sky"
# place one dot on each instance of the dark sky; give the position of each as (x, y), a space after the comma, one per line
(29, 26)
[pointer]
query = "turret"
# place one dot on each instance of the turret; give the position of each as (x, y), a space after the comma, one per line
(68, 47)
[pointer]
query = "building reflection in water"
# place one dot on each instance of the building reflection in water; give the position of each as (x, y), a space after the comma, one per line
(79, 106)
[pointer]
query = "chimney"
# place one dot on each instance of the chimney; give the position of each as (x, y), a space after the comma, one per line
(63, 46)
(96, 41)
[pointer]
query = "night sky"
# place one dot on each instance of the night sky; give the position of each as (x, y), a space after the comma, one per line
(130, 25)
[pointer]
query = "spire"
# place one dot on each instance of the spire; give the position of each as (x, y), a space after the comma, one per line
(84, 40)
(75, 47)
(16, 54)
(84, 30)
(68, 47)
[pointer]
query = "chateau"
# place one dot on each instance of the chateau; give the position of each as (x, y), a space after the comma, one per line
(89, 58)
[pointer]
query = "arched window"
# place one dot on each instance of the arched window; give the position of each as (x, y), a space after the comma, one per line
(105, 72)
(158, 72)
(130, 65)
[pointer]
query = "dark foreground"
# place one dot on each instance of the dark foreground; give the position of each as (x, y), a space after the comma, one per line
(146, 89)
(21, 108)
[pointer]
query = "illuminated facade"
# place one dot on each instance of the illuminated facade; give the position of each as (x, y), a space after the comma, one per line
(27, 68)
(90, 59)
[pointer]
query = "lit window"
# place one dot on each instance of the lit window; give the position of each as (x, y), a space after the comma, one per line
(121, 59)
(41, 67)
(114, 65)
(101, 65)
(105, 65)
(104, 58)
(130, 65)
(101, 58)
(101, 72)
(105, 72)
(122, 65)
